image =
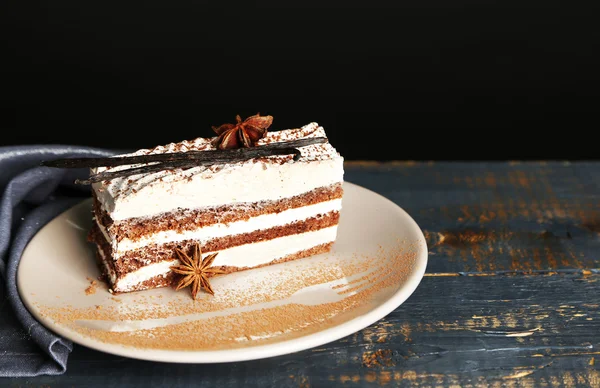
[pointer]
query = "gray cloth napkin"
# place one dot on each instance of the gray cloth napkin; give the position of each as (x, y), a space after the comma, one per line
(31, 196)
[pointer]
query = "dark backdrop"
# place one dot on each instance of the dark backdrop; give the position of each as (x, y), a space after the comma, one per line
(402, 79)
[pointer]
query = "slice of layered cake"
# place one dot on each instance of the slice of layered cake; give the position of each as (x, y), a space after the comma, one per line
(251, 211)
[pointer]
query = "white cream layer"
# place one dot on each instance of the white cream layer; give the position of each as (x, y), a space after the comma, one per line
(249, 181)
(247, 255)
(265, 221)
(244, 183)
(132, 279)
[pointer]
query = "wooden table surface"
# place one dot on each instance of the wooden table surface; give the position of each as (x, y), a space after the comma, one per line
(511, 295)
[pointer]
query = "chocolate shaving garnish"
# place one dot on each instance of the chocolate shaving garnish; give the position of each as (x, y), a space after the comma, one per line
(180, 160)
(243, 133)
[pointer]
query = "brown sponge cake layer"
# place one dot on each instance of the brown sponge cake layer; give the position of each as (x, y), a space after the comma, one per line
(169, 279)
(106, 261)
(155, 282)
(187, 219)
(134, 259)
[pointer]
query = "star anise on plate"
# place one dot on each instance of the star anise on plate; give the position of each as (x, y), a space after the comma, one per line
(195, 270)
(243, 133)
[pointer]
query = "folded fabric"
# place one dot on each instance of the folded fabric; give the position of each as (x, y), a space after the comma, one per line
(31, 196)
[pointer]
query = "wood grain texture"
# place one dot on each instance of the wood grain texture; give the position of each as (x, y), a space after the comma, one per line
(497, 217)
(511, 297)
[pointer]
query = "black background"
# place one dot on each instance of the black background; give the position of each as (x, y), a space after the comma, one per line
(404, 79)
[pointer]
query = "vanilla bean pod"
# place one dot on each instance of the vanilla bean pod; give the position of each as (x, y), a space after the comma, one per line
(183, 163)
(208, 156)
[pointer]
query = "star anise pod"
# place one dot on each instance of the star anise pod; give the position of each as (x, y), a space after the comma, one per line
(195, 270)
(242, 134)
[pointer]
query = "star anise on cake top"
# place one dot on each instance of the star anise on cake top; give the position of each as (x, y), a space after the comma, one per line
(195, 270)
(243, 133)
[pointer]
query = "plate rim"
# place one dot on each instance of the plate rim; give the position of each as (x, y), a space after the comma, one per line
(253, 352)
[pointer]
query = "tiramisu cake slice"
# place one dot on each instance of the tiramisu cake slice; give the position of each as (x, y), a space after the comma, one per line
(252, 212)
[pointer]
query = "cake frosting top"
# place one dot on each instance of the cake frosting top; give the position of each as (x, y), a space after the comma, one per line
(313, 152)
(124, 188)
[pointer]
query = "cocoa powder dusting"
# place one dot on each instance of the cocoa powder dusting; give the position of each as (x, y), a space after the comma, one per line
(91, 289)
(368, 278)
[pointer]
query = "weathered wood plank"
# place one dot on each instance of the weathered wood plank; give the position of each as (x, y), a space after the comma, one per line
(487, 217)
(522, 331)
(511, 297)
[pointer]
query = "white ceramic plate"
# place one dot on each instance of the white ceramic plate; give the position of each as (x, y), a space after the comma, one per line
(376, 263)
